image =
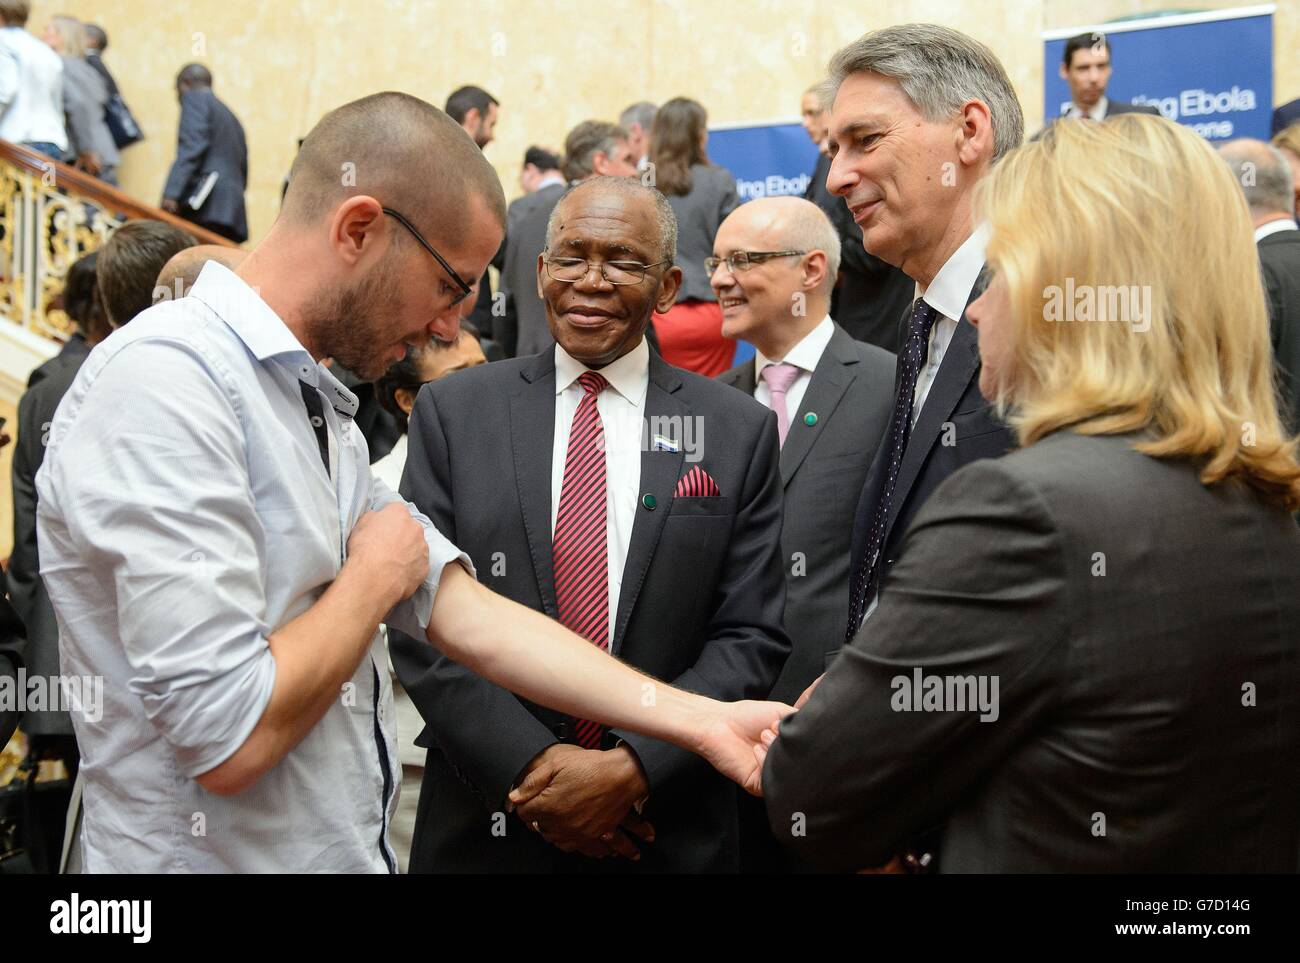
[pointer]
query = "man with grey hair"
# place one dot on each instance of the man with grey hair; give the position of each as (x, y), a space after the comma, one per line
(773, 269)
(648, 519)
(593, 148)
(1265, 177)
(919, 116)
(639, 120)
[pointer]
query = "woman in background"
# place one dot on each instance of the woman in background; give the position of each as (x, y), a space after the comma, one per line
(702, 195)
(85, 97)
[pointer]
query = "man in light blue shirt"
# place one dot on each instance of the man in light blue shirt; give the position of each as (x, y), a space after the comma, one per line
(217, 552)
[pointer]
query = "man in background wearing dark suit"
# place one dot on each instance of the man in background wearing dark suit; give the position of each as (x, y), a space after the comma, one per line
(477, 111)
(648, 519)
(923, 224)
(207, 180)
(593, 149)
(1086, 67)
(832, 397)
(1265, 176)
(870, 295)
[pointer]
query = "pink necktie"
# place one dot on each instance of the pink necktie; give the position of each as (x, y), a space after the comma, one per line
(779, 378)
(580, 547)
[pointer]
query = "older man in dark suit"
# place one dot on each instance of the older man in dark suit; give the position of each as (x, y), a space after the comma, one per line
(648, 519)
(1265, 176)
(593, 148)
(207, 180)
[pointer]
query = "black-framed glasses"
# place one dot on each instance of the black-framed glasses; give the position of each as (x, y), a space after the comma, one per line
(571, 270)
(739, 261)
(465, 289)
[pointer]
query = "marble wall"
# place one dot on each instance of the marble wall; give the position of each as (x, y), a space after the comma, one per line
(280, 64)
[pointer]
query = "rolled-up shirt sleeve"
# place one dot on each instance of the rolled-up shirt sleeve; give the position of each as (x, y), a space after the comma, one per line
(412, 615)
(160, 497)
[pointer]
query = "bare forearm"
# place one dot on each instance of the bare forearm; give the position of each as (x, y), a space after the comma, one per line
(315, 654)
(529, 654)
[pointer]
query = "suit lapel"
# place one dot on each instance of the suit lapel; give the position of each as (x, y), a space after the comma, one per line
(830, 380)
(659, 473)
(532, 436)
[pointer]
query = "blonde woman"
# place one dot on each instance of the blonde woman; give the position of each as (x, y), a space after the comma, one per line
(1088, 657)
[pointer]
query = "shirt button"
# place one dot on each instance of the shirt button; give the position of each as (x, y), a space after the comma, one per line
(317, 421)
(305, 370)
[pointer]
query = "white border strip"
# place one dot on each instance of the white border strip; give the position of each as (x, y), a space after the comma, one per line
(1150, 23)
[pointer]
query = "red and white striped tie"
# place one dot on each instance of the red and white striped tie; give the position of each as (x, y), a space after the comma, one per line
(579, 552)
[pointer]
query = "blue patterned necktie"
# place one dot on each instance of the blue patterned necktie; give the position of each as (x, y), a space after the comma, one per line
(867, 576)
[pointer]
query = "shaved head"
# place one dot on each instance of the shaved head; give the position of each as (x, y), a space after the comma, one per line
(405, 153)
(787, 224)
(186, 266)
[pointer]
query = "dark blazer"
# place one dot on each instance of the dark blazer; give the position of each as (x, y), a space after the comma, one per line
(1128, 737)
(955, 400)
(823, 467)
(523, 331)
(26, 588)
(870, 295)
(1279, 257)
(210, 138)
(11, 659)
(700, 606)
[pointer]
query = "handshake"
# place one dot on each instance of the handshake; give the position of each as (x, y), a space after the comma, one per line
(590, 801)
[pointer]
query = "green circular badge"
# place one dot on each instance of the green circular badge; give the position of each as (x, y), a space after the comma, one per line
(810, 419)
(649, 502)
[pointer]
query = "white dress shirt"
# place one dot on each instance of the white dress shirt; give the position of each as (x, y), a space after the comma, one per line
(622, 414)
(31, 90)
(805, 355)
(1097, 111)
(1275, 227)
(948, 294)
(184, 515)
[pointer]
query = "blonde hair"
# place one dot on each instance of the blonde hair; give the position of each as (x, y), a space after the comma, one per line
(1144, 207)
(70, 34)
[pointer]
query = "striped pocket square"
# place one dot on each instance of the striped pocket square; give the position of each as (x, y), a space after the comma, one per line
(697, 483)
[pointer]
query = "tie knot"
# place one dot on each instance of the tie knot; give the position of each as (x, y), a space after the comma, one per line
(923, 318)
(779, 377)
(592, 383)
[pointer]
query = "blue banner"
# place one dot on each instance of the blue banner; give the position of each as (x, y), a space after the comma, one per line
(1212, 72)
(767, 160)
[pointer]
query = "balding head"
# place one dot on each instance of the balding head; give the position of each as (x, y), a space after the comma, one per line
(592, 190)
(407, 154)
(179, 274)
(774, 301)
(1264, 176)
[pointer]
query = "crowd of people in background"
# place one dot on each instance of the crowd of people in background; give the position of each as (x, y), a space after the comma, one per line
(911, 470)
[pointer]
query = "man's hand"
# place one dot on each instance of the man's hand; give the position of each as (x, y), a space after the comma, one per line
(170, 205)
(89, 162)
(389, 546)
(582, 800)
(731, 738)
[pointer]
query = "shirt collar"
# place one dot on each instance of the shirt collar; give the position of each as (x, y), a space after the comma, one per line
(264, 334)
(804, 355)
(1097, 111)
(951, 287)
(629, 375)
(1274, 227)
(548, 180)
